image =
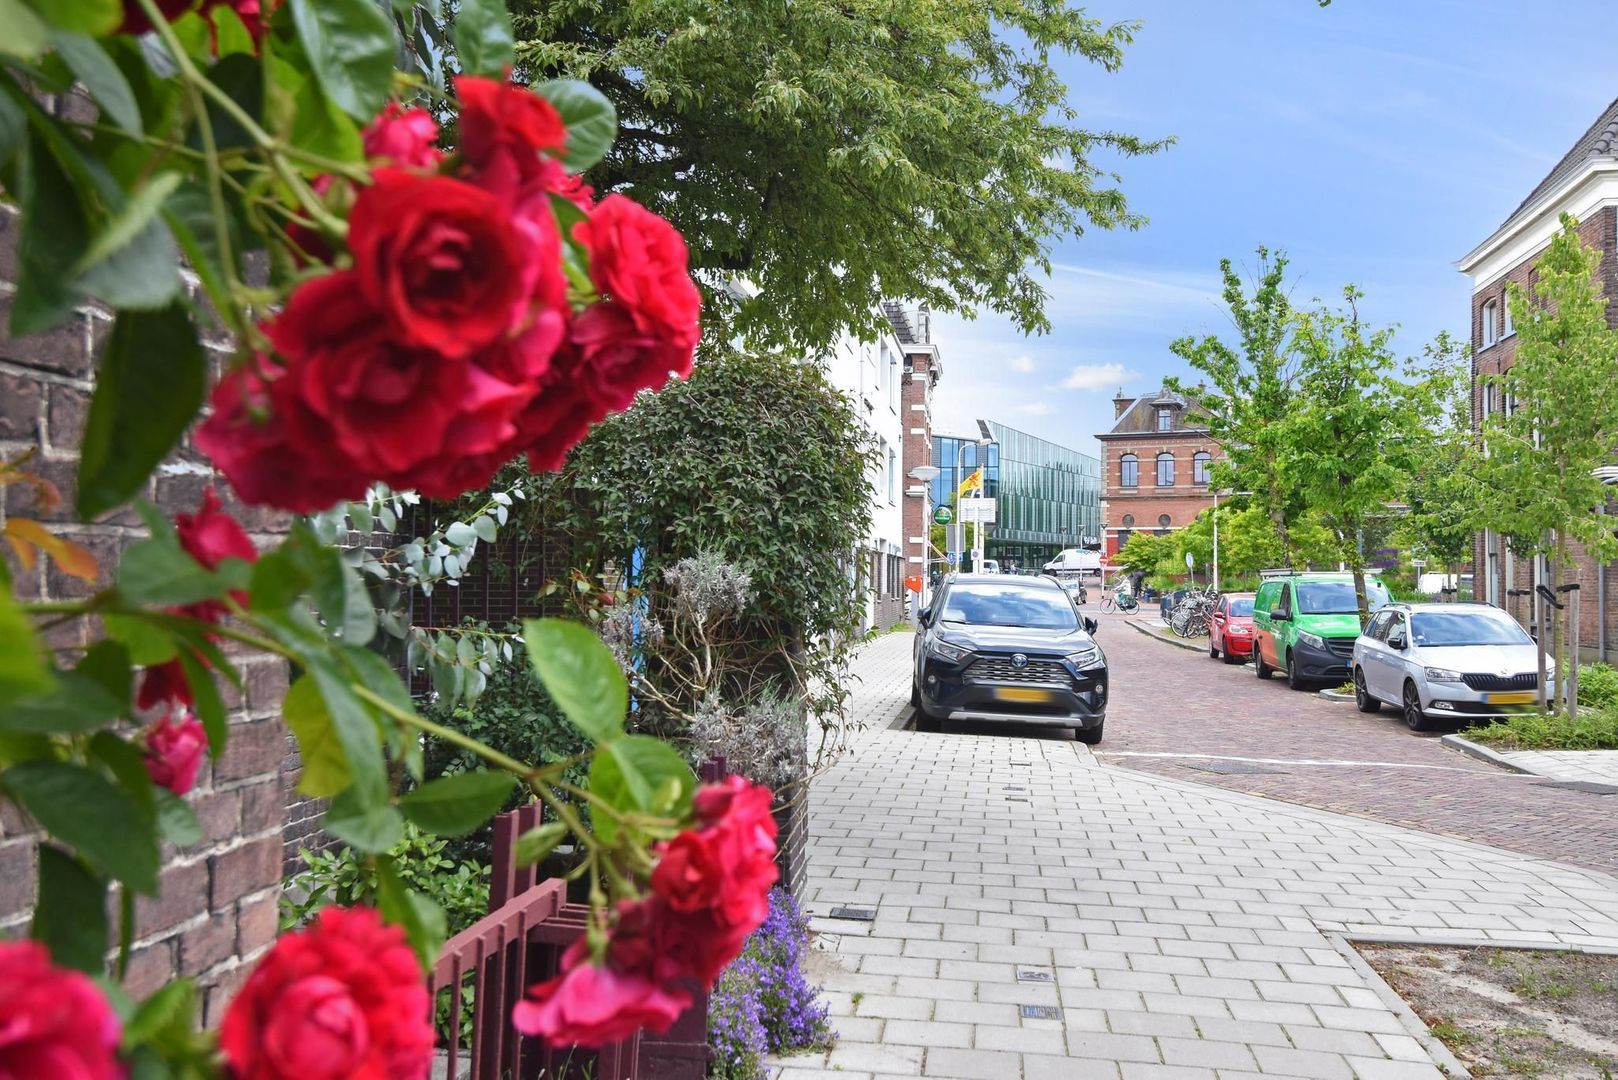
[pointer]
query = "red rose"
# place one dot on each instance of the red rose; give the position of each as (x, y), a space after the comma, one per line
(174, 752)
(690, 874)
(165, 684)
(618, 359)
(403, 137)
(593, 1006)
(554, 177)
(728, 864)
(53, 1022)
(343, 999)
(136, 22)
(440, 260)
(503, 129)
(211, 536)
(248, 439)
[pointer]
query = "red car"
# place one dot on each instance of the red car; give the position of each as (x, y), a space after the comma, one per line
(1230, 628)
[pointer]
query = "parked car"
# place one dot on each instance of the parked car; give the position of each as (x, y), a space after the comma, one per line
(1012, 650)
(1230, 627)
(1446, 662)
(1305, 624)
(1075, 590)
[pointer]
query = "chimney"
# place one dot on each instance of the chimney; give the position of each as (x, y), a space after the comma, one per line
(1121, 404)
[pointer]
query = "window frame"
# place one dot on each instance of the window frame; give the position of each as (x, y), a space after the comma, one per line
(1165, 456)
(1165, 418)
(1201, 463)
(1124, 479)
(1491, 322)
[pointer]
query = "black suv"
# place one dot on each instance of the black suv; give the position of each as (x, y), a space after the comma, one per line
(993, 647)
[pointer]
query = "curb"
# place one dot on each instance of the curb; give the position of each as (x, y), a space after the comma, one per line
(1442, 1056)
(1335, 695)
(1176, 642)
(1483, 753)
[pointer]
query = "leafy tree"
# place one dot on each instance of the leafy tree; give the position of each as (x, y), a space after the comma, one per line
(1442, 496)
(1535, 481)
(833, 152)
(1356, 429)
(1145, 551)
(1247, 540)
(1249, 389)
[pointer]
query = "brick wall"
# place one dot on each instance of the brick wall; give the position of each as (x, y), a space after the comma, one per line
(915, 407)
(217, 907)
(1147, 502)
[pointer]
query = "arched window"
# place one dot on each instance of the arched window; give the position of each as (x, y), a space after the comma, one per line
(1165, 470)
(1491, 323)
(1164, 521)
(1129, 521)
(1199, 467)
(1128, 471)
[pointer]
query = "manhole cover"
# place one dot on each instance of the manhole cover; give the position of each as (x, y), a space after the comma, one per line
(1032, 975)
(1227, 768)
(1589, 786)
(857, 914)
(1041, 1012)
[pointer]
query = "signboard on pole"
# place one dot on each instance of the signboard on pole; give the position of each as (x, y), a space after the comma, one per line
(943, 515)
(978, 511)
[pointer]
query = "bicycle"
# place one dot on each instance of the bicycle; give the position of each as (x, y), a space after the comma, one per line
(1119, 600)
(1191, 615)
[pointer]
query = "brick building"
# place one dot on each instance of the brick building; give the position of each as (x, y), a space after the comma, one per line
(216, 911)
(1154, 467)
(922, 369)
(1583, 183)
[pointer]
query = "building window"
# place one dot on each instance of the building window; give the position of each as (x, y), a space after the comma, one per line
(1165, 419)
(893, 476)
(1165, 470)
(1488, 399)
(1199, 467)
(1505, 314)
(1164, 521)
(1491, 323)
(1129, 471)
(1129, 521)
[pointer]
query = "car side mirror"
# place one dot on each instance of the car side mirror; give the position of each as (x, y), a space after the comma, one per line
(1090, 625)
(1398, 641)
(925, 615)
(1280, 615)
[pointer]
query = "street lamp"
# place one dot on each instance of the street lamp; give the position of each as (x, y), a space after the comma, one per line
(926, 474)
(1216, 533)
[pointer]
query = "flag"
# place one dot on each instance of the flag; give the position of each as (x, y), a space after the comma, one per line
(973, 482)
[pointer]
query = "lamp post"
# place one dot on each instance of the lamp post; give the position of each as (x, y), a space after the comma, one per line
(1216, 533)
(926, 474)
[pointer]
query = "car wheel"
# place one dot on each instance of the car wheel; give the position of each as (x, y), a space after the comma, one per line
(1089, 736)
(1415, 719)
(1260, 668)
(1293, 679)
(1232, 658)
(1363, 701)
(1213, 650)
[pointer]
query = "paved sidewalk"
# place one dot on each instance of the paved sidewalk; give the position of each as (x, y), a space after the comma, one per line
(1592, 766)
(1038, 916)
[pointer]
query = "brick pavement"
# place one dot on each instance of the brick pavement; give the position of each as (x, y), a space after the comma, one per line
(1167, 701)
(1156, 928)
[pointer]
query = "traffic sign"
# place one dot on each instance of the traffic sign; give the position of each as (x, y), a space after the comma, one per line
(943, 515)
(978, 511)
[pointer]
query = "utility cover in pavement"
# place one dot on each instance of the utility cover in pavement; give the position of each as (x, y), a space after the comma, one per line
(1227, 768)
(1582, 785)
(857, 914)
(1032, 975)
(1041, 1012)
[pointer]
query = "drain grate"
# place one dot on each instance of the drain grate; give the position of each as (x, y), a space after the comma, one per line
(1589, 786)
(1033, 975)
(1041, 1012)
(1227, 768)
(855, 914)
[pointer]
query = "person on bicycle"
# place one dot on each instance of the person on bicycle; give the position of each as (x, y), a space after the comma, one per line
(1136, 580)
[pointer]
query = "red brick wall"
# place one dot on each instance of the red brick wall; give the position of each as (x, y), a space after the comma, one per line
(917, 450)
(1147, 502)
(217, 907)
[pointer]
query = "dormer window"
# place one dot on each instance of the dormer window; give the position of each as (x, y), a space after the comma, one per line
(1491, 323)
(1165, 419)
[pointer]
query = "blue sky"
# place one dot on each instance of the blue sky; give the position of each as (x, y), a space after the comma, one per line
(1376, 141)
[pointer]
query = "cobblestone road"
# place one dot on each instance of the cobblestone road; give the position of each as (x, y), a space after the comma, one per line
(1169, 701)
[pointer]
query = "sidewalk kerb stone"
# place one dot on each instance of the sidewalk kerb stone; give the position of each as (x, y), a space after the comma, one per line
(1413, 1024)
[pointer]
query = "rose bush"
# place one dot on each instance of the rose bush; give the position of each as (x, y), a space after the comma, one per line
(403, 315)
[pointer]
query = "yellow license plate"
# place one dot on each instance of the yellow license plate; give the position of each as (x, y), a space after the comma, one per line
(1017, 693)
(1516, 697)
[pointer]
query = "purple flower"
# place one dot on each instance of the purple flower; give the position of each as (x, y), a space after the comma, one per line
(763, 1003)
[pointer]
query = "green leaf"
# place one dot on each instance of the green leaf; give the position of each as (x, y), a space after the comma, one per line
(142, 274)
(580, 675)
(538, 842)
(81, 808)
(592, 122)
(357, 733)
(169, 1009)
(92, 66)
(131, 221)
(70, 918)
(13, 128)
(349, 44)
(639, 773)
(372, 828)
(209, 705)
(454, 805)
(96, 18)
(189, 214)
(53, 235)
(23, 670)
(320, 127)
(151, 384)
(483, 40)
(325, 769)
(159, 573)
(279, 578)
(176, 820)
(422, 920)
(148, 643)
(21, 31)
(486, 529)
(88, 697)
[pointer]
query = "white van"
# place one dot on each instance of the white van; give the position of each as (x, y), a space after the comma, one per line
(1076, 561)
(991, 566)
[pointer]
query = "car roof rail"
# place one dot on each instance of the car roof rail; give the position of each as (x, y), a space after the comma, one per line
(1276, 572)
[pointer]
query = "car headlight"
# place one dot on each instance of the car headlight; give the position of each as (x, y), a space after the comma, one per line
(1241, 629)
(953, 653)
(1442, 674)
(1084, 657)
(1314, 640)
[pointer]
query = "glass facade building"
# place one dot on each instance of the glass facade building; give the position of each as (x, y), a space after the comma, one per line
(1049, 496)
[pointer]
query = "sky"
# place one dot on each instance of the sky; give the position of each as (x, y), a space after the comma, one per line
(1375, 141)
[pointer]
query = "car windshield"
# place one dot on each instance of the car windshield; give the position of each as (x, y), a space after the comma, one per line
(1337, 597)
(982, 604)
(1440, 628)
(1241, 606)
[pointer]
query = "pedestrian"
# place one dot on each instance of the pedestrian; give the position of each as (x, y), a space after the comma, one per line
(1136, 581)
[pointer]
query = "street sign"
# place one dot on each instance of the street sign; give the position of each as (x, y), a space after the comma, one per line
(943, 515)
(978, 511)
(1190, 561)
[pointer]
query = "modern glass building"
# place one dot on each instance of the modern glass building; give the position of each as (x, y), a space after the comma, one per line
(1049, 495)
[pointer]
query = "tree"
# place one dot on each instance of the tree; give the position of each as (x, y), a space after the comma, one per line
(834, 153)
(1356, 429)
(1251, 391)
(1535, 483)
(1440, 523)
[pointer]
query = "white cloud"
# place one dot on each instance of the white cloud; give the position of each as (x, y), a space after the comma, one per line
(1033, 408)
(1098, 376)
(1023, 365)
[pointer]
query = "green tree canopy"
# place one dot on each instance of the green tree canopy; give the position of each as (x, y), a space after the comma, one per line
(1442, 496)
(834, 152)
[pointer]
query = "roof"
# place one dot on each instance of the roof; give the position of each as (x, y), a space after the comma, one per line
(1599, 142)
(1139, 418)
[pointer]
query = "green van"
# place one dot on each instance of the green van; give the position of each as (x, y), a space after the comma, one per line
(1305, 624)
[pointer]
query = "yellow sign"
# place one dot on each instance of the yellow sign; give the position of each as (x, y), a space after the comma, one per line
(971, 483)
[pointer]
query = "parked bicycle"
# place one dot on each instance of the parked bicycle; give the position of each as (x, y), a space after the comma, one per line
(1190, 615)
